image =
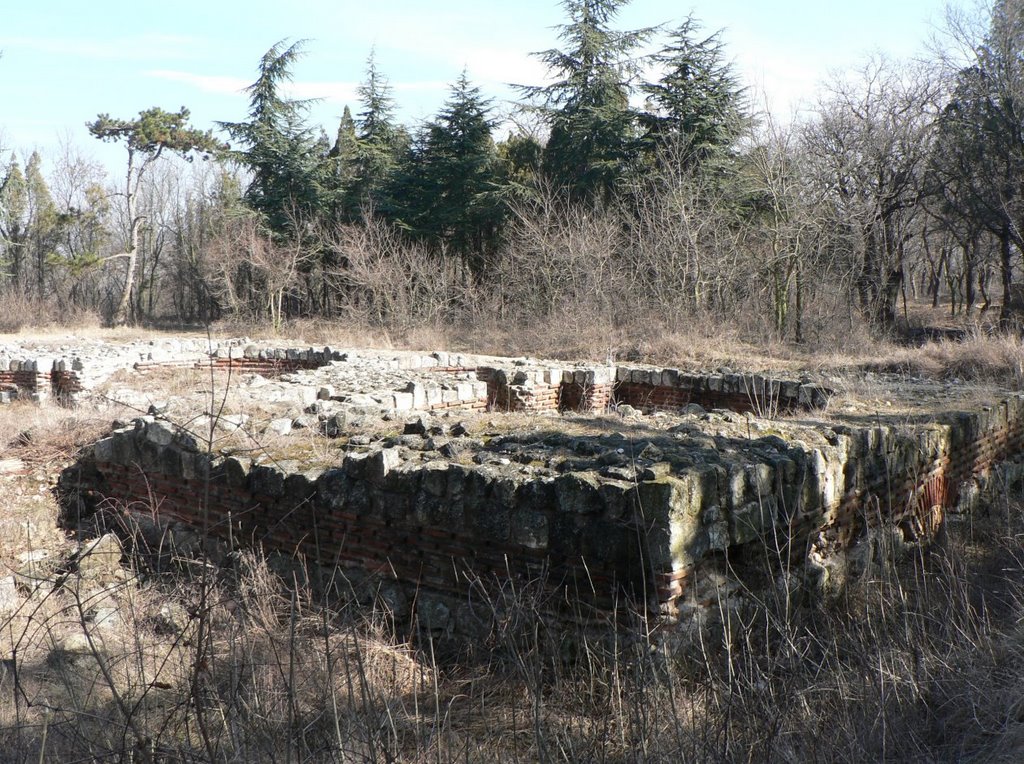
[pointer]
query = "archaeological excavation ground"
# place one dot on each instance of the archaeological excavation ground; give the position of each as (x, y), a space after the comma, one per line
(538, 518)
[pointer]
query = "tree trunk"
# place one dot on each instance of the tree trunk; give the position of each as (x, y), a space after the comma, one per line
(120, 317)
(121, 313)
(1010, 308)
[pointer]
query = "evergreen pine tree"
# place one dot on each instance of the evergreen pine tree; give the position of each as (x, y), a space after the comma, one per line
(290, 174)
(43, 219)
(696, 107)
(592, 137)
(13, 223)
(343, 161)
(381, 144)
(450, 190)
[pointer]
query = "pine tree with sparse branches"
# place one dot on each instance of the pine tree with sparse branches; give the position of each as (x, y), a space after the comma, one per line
(593, 134)
(696, 108)
(450, 190)
(290, 174)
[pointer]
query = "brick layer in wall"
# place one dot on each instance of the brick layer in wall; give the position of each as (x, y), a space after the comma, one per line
(25, 383)
(658, 397)
(917, 499)
(887, 475)
(437, 558)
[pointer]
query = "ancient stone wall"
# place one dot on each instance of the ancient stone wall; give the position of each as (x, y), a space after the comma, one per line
(599, 539)
(506, 384)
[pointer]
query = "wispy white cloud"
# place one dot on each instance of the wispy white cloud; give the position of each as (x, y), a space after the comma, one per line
(220, 84)
(124, 48)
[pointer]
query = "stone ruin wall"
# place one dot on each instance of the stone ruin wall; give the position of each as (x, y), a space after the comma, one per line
(442, 528)
(509, 388)
(447, 532)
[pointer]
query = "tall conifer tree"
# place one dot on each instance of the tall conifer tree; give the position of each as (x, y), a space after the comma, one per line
(592, 137)
(450, 189)
(284, 154)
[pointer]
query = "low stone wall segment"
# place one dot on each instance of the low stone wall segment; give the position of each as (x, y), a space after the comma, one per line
(512, 385)
(598, 538)
(643, 523)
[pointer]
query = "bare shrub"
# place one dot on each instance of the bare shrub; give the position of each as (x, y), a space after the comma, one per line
(387, 280)
(20, 311)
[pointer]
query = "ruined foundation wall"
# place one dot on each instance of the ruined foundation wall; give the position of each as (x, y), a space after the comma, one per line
(598, 542)
(443, 529)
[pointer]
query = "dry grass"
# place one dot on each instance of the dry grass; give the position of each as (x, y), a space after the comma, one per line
(19, 312)
(997, 358)
(921, 660)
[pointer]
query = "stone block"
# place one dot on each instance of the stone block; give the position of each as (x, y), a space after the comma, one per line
(578, 493)
(530, 528)
(493, 521)
(671, 511)
(356, 465)
(434, 479)
(149, 456)
(736, 494)
(194, 466)
(236, 470)
(170, 462)
(433, 396)
(380, 463)
(602, 544)
(814, 396)
(160, 432)
(300, 486)
(618, 496)
(282, 426)
(393, 506)
(358, 499)
(752, 520)
(419, 395)
(267, 480)
(103, 450)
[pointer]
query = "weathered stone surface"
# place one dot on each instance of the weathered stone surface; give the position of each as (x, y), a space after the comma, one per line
(433, 615)
(382, 462)
(281, 426)
(578, 493)
(530, 528)
(100, 560)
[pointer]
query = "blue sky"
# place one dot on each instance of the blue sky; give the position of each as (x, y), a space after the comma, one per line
(65, 61)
